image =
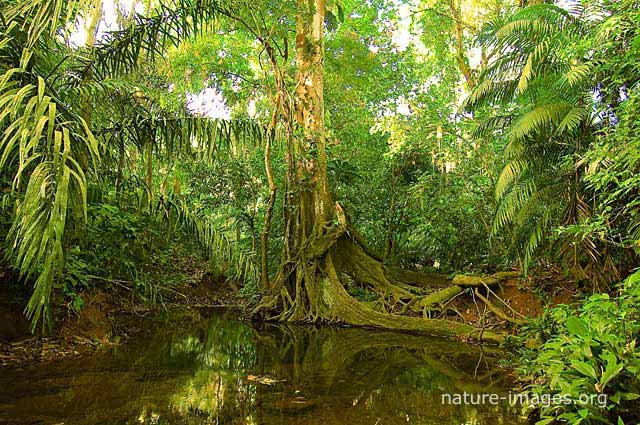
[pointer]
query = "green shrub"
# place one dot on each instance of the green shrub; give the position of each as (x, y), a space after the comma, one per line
(588, 351)
(118, 248)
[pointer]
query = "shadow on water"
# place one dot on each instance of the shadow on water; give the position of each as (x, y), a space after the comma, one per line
(209, 368)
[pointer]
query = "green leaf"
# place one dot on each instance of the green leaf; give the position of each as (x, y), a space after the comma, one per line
(616, 397)
(611, 371)
(584, 368)
(577, 326)
(340, 13)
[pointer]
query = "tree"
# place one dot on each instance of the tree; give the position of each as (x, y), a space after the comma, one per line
(45, 94)
(321, 247)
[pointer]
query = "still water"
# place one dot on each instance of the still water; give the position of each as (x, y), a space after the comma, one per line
(210, 368)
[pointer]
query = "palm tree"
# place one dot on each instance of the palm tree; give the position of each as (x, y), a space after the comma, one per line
(51, 148)
(542, 87)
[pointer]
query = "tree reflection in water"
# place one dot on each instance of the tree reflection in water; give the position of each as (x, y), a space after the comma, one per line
(218, 370)
(306, 375)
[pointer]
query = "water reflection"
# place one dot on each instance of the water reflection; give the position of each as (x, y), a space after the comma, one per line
(212, 369)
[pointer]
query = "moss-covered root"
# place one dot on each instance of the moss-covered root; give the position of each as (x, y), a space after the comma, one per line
(416, 278)
(479, 281)
(338, 305)
(439, 297)
(351, 259)
(317, 294)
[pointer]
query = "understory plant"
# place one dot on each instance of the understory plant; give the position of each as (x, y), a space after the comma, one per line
(589, 360)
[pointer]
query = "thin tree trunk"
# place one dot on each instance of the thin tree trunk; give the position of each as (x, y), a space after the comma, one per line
(273, 189)
(389, 239)
(461, 56)
(149, 171)
(121, 158)
(91, 22)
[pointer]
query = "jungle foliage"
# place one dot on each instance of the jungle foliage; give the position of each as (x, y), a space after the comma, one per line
(303, 148)
(248, 140)
(553, 102)
(588, 351)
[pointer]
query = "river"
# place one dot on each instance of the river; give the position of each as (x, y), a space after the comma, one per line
(211, 368)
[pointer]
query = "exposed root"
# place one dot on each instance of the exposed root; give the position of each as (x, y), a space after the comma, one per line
(415, 278)
(498, 312)
(478, 281)
(517, 314)
(439, 298)
(354, 261)
(339, 305)
(314, 292)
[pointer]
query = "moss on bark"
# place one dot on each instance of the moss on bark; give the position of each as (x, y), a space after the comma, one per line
(321, 296)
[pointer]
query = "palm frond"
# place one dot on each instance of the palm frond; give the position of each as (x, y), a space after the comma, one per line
(510, 174)
(511, 203)
(576, 75)
(571, 121)
(540, 120)
(241, 265)
(43, 17)
(149, 36)
(39, 141)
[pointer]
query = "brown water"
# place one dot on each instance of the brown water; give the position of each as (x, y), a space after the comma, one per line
(209, 368)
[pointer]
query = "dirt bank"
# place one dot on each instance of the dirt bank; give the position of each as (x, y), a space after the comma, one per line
(108, 318)
(105, 319)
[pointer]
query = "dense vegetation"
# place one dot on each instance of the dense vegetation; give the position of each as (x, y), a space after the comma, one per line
(309, 151)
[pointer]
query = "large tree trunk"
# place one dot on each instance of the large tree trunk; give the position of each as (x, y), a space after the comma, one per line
(320, 249)
(316, 206)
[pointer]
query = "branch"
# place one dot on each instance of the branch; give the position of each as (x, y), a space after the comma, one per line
(501, 314)
(444, 15)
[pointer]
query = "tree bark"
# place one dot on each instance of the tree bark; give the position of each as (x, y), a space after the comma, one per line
(309, 111)
(264, 239)
(92, 19)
